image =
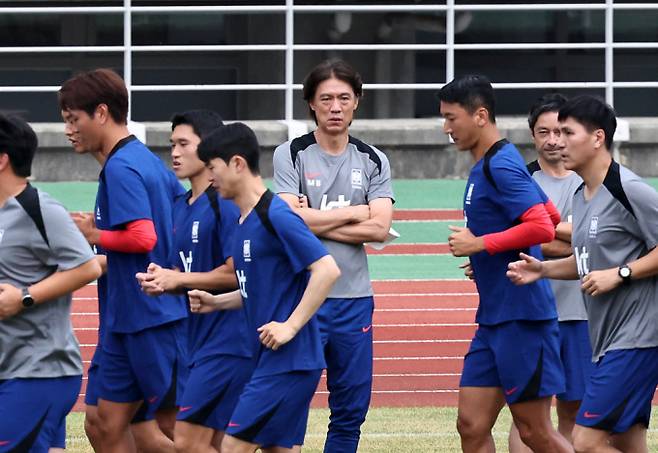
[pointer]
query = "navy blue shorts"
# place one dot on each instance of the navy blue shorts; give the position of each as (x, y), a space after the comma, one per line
(273, 410)
(576, 355)
(521, 357)
(212, 390)
(620, 390)
(33, 412)
(93, 383)
(142, 366)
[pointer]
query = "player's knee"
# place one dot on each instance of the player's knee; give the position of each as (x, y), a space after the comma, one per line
(471, 427)
(92, 427)
(534, 436)
(583, 442)
(184, 443)
(230, 445)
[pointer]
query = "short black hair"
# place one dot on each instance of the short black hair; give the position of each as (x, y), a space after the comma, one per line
(334, 68)
(593, 113)
(551, 102)
(19, 142)
(202, 122)
(235, 139)
(88, 90)
(471, 92)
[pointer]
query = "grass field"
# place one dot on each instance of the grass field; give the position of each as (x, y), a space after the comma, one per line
(387, 430)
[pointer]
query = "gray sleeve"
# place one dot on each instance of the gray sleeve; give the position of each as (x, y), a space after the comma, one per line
(286, 177)
(68, 248)
(644, 200)
(380, 181)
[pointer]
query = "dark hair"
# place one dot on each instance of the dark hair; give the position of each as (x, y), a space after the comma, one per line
(235, 139)
(338, 69)
(19, 142)
(471, 92)
(88, 90)
(593, 113)
(552, 102)
(203, 122)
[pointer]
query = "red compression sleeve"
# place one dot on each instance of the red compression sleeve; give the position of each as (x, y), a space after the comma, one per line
(138, 237)
(552, 212)
(535, 228)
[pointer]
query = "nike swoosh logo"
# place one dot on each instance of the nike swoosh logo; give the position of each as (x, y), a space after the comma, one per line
(233, 425)
(510, 391)
(152, 399)
(185, 408)
(588, 414)
(366, 329)
(4, 442)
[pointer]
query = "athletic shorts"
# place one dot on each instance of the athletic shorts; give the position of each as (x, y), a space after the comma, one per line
(521, 357)
(273, 410)
(142, 366)
(33, 412)
(213, 387)
(93, 384)
(576, 355)
(620, 390)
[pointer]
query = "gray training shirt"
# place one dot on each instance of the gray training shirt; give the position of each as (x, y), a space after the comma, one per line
(617, 226)
(38, 342)
(358, 176)
(568, 295)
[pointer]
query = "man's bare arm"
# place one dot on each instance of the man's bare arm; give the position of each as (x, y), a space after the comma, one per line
(321, 222)
(375, 229)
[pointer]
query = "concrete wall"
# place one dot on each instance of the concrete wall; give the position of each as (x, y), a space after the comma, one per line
(416, 148)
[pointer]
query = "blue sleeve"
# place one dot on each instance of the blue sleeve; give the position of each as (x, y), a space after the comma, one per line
(301, 246)
(129, 200)
(229, 216)
(517, 191)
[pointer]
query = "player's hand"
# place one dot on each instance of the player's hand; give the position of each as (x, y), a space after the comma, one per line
(87, 226)
(10, 301)
(463, 243)
(600, 282)
(468, 270)
(527, 270)
(158, 280)
(359, 213)
(201, 301)
(274, 334)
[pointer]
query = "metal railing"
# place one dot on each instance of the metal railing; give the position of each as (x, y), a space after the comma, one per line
(290, 9)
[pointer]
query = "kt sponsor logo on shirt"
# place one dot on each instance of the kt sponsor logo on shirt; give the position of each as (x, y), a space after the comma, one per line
(469, 194)
(327, 205)
(582, 260)
(98, 213)
(246, 250)
(2, 233)
(593, 226)
(242, 281)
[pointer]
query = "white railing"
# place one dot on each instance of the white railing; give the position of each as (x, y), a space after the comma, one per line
(289, 47)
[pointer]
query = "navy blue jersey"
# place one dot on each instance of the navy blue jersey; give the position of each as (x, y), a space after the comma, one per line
(492, 206)
(200, 245)
(134, 184)
(272, 250)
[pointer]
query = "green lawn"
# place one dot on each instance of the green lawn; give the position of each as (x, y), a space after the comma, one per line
(387, 430)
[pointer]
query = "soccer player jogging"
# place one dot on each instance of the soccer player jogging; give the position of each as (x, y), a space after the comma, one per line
(514, 356)
(560, 184)
(284, 274)
(44, 258)
(219, 350)
(132, 222)
(341, 187)
(614, 243)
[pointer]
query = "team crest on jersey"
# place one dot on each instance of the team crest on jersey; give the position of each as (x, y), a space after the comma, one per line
(312, 178)
(593, 226)
(469, 194)
(2, 233)
(246, 250)
(195, 232)
(357, 177)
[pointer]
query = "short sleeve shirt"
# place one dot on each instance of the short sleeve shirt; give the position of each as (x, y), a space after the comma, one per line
(38, 342)
(357, 176)
(272, 250)
(568, 295)
(490, 208)
(134, 185)
(618, 225)
(202, 239)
